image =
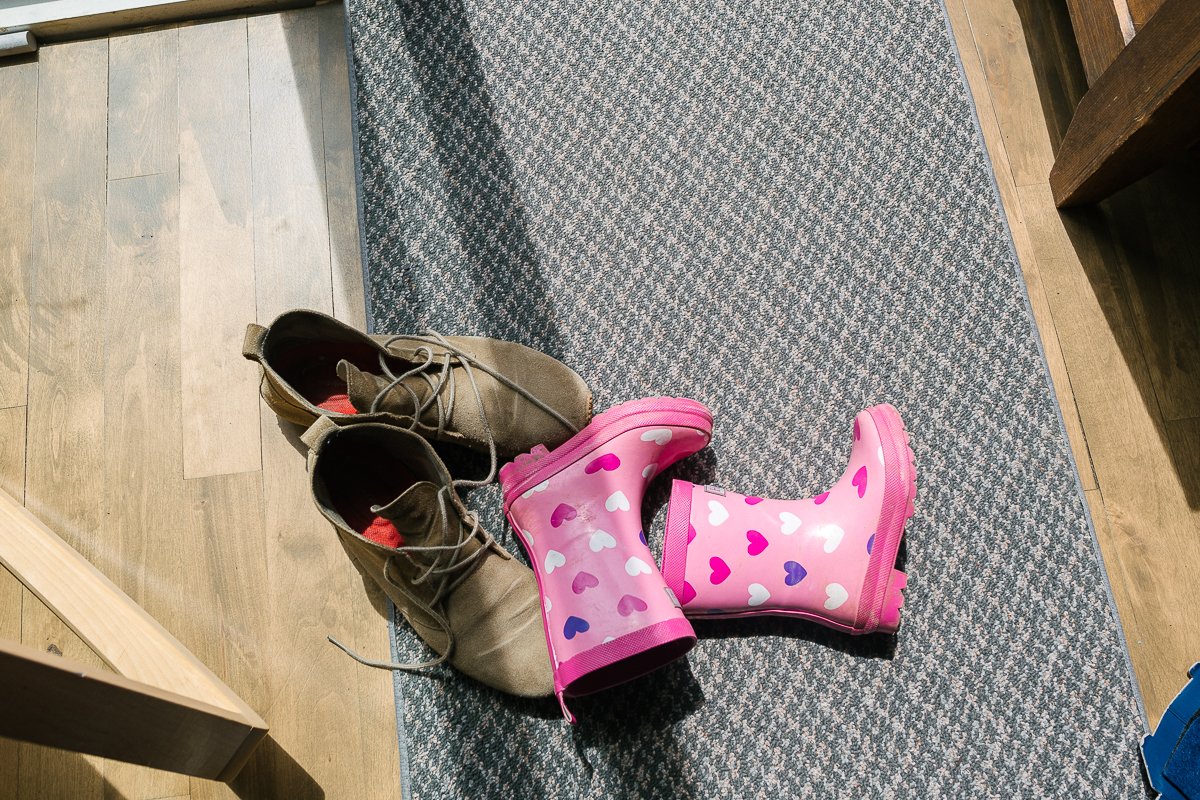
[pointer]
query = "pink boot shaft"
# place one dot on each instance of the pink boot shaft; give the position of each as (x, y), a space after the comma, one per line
(577, 510)
(829, 559)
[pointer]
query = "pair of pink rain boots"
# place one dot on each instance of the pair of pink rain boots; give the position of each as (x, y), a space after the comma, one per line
(611, 615)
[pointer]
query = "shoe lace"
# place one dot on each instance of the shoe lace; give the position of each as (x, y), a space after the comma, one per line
(445, 383)
(447, 559)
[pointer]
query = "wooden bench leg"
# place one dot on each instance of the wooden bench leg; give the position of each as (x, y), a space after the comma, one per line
(1143, 110)
(163, 709)
(57, 702)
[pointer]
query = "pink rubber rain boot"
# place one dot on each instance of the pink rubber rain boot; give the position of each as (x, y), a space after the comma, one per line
(829, 559)
(608, 614)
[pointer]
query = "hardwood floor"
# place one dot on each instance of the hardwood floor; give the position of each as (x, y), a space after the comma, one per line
(163, 188)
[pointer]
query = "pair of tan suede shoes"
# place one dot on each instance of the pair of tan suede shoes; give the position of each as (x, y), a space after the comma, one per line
(371, 405)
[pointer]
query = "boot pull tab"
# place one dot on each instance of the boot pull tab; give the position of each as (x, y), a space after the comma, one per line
(316, 434)
(252, 345)
(562, 702)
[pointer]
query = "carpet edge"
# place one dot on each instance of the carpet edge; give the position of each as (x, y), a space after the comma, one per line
(981, 142)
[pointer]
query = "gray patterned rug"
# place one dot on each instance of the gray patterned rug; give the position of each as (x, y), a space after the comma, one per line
(784, 210)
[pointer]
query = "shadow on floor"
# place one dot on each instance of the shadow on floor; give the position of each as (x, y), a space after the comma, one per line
(272, 773)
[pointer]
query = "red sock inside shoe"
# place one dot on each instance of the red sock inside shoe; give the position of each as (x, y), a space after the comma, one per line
(338, 403)
(382, 531)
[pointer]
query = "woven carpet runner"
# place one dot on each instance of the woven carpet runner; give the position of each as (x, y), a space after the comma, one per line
(783, 210)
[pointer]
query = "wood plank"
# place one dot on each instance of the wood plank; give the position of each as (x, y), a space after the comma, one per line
(12, 452)
(1138, 114)
(314, 589)
(18, 124)
(66, 351)
(143, 488)
(1102, 29)
(12, 480)
(1183, 437)
(66, 347)
(142, 139)
(1126, 608)
(1002, 50)
(1153, 223)
(291, 241)
(1153, 529)
(63, 703)
(341, 195)
(225, 512)
(1054, 57)
(46, 772)
(977, 79)
(219, 387)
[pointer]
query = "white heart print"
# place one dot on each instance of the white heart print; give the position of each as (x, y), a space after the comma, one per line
(554, 560)
(832, 534)
(617, 501)
(649, 470)
(528, 535)
(541, 487)
(758, 594)
(601, 540)
(659, 436)
(790, 523)
(717, 513)
(837, 595)
(635, 566)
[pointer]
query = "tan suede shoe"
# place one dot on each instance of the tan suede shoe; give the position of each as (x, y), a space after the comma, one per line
(396, 510)
(463, 389)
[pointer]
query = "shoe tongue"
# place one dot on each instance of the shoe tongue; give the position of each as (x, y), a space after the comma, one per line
(415, 513)
(363, 387)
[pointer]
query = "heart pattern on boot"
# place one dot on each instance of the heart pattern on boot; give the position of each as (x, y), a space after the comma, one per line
(832, 534)
(859, 481)
(617, 501)
(554, 560)
(630, 605)
(607, 462)
(659, 436)
(541, 487)
(635, 566)
(575, 625)
(837, 595)
(601, 540)
(562, 513)
(687, 595)
(584, 581)
(757, 541)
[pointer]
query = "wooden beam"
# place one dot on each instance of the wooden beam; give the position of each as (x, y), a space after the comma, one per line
(1142, 10)
(1102, 29)
(61, 20)
(1139, 114)
(54, 701)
